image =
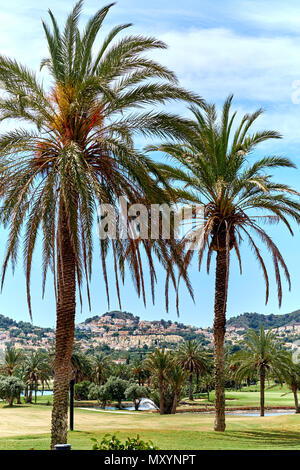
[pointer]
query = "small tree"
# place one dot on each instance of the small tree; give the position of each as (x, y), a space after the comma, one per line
(115, 388)
(135, 393)
(82, 390)
(292, 379)
(100, 393)
(10, 388)
(263, 357)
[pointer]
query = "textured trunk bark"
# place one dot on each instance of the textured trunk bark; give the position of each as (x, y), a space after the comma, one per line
(197, 384)
(221, 287)
(65, 326)
(296, 400)
(174, 405)
(191, 397)
(262, 391)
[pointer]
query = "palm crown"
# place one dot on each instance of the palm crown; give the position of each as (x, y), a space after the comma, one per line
(77, 151)
(237, 195)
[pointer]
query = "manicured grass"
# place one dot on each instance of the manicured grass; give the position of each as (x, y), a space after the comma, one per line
(27, 427)
(279, 396)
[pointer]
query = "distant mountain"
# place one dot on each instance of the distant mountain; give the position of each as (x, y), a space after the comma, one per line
(253, 320)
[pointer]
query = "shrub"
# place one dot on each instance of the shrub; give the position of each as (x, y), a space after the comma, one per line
(135, 393)
(82, 390)
(100, 393)
(115, 388)
(10, 388)
(111, 442)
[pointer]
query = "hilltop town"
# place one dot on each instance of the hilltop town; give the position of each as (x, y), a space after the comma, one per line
(122, 331)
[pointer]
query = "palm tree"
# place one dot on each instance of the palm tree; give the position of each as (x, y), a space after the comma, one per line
(37, 368)
(264, 357)
(12, 359)
(176, 377)
(158, 362)
(76, 154)
(138, 371)
(292, 379)
(192, 359)
(234, 197)
(82, 367)
(100, 366)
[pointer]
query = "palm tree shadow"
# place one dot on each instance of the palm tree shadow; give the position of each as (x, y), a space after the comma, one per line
(259, 439)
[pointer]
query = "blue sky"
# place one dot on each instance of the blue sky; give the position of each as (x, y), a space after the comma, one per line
(216, 48)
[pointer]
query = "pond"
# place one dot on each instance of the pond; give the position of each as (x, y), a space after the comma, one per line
(145, 405)
(40, 393)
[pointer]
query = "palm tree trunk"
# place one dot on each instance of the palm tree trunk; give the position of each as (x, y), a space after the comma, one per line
(161, 396)
(191, 387)
(262, 391)
(221, 287)
(65, 326)
(197, 383)
(296, 400)
(174, 405)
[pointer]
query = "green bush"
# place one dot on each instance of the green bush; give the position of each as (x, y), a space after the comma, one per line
(111, 442)
(135, 393)
(100, 393)
(82, 390)
(10, 388)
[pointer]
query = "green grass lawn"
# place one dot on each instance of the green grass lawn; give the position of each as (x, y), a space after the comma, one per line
(27, 426)
(183, 431)
(276, 395)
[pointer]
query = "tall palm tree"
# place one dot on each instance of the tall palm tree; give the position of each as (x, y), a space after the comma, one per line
(158, 362)
(12, 359)
(76, 154)
(191, 358)
(235, 196)
(263, 356)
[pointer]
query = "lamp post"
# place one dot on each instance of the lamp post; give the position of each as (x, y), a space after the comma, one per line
(72, 382)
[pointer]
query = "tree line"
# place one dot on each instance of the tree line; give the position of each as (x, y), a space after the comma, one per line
(165, 376)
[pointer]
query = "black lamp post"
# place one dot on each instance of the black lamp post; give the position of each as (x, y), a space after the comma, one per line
(72, 382)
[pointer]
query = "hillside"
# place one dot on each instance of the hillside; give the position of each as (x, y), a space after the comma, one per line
(123, 331)
(253, 320)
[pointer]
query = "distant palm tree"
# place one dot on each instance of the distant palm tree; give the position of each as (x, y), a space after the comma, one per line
(176, 377)
(12, 359)
(158, 362)
(292, 379)
(235, 197)
(263, 356)
(37, 369)
(100, 366)
(76, 154)
(82, 367)
(191, 357)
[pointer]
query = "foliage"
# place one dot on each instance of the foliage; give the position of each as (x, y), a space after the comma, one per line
(111, 442)
(10, 388)
(115, 388)
(135, 393)
(233, 196)
(253, 320)
(82, 390)
(100, 393)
